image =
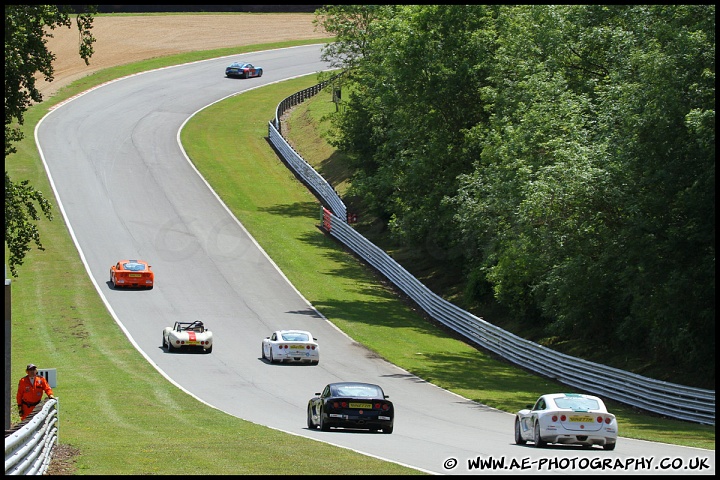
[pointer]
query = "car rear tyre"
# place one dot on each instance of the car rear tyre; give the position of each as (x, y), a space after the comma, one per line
(208, 350)
(387, 429)
(519, 440)
(262, 351)
(539, 442)
(609, 446)
(272, 359)
(310, 423)
(323, 424)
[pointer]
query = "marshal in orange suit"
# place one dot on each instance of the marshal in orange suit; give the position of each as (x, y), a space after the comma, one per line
(30, 391)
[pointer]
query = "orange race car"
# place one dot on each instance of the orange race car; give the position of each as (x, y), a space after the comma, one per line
(132, 273)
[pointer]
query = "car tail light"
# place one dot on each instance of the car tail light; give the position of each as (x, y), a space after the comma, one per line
(284, 346)
(608, 420)
(336, 404)
(554, 418)
(177, 342)
(563, 418)
(599, 419)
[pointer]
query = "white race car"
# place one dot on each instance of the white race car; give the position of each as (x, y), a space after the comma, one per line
(187, 335)
(567, 418)
(291, 345)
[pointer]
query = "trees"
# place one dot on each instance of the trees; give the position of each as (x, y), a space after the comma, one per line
(352, 27)
(567, 152)
(415, 89)
(26, 54)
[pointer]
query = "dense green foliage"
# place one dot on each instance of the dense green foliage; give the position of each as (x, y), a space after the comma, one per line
(563, 157)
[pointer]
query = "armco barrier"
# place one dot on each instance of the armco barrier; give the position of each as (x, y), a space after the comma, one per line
(29, 448)
(309, 176)
(668, 399)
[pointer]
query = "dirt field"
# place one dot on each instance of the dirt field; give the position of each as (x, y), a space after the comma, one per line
(121, 40)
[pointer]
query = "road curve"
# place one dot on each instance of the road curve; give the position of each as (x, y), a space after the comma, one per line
(127, 190)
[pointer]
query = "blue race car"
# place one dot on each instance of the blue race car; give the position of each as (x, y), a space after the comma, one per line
(243, 70)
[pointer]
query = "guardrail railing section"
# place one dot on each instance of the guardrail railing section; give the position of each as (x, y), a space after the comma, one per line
(309, 176)
(29, 448)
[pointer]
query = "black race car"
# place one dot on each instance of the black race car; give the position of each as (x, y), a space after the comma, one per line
(351, 405)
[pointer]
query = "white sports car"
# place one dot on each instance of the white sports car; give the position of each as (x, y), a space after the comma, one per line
(188, 335)
(567, 418)
(291, 345)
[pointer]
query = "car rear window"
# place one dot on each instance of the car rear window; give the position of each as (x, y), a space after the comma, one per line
(577, 403)
(357, 391)
(295, 337)
(133, 266)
